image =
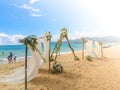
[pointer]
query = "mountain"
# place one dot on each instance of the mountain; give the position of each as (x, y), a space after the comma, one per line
(109, 39)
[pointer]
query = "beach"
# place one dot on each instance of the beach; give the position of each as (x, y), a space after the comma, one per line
(98, 74)
(59, 45)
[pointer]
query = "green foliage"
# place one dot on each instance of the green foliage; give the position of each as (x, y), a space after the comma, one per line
(52, 59)
(84, 40)
(31, 41)
(49, 36)
(89, 58)
(64, 34)
(57, 68)
(76, 58)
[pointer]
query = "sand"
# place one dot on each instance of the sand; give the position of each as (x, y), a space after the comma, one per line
(98, 74)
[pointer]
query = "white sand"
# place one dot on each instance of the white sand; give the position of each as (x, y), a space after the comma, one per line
(103, 74)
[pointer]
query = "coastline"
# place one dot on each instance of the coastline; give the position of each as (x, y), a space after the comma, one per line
(115, 48)
(19, 59)
(99, 74)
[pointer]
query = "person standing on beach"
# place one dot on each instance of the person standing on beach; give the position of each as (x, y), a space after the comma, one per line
(11, 56)
(8, 59)
(15, 59)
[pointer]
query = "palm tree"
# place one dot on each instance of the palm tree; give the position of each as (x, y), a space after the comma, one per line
(101, 43)
(83, 46)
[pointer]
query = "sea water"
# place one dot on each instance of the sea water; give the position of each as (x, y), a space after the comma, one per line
(19, 50)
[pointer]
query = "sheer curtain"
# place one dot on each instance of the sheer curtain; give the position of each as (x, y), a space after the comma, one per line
(34, 64)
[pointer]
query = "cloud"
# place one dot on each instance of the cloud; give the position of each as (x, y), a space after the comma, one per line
(78, 34)
(55, 37)
(33, 11)
(3, 34)
(10, 39)
(33, 1)
(28, 7)
(36, 14)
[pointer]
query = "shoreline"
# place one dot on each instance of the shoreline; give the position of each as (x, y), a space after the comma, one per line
(105, 52)
(98, 74)
(80, 51)
(22, 58)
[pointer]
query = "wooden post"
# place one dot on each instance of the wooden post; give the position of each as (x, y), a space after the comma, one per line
(49, 57)
(101, 51)
(26, 51)
(83, 51)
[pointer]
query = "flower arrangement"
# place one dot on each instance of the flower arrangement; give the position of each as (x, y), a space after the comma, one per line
(31, 41)
(89, 58)
(57, 68)
(64, 32)
(49, 36)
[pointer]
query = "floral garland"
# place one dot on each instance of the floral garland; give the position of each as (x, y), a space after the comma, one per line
(63, 35)
(84, 40)
(57, 68)
(32, 42)
(49, 36)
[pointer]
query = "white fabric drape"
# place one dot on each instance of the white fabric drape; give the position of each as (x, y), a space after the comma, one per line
(33, 66)
(97, 49)
(93, 52)
(89, 47)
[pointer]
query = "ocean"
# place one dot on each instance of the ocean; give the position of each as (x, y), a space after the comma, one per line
(19, 50)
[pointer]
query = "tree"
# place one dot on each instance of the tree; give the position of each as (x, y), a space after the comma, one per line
(83, 46)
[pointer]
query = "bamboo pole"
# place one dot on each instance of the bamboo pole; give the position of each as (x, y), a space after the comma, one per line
(26, 52)
(83, 51)
(49, 57)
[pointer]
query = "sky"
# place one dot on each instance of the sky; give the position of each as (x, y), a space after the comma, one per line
(20, 18)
